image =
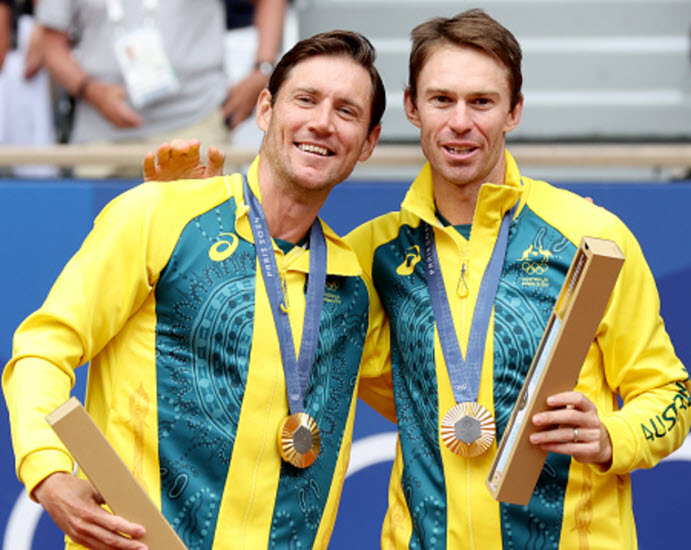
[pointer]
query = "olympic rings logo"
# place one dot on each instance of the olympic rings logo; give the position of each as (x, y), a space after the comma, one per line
(535, 268)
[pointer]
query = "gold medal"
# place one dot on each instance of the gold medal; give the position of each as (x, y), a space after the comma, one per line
(468, 429)
(299, 440)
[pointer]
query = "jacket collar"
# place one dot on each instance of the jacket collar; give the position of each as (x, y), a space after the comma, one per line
(493, 200)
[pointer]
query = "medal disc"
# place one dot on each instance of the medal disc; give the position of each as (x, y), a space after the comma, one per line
(299, 440)
(467, 429)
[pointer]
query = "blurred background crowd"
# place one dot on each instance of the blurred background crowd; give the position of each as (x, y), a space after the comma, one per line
(140, 72)
(134, 72)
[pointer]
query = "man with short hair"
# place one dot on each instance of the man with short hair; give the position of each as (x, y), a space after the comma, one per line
(225, 326)
(436, 254)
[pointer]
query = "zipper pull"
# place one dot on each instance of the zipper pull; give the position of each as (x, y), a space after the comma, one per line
(462, 286)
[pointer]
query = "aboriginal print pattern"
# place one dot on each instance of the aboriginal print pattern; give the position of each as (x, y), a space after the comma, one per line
(203, 336)
(302, 493)
(401, 283)
(537, 260)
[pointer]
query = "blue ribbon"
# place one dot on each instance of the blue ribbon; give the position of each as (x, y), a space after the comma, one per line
(464, 373)
(297, 372)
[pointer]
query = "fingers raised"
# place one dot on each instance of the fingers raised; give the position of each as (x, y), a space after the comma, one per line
(216, 161)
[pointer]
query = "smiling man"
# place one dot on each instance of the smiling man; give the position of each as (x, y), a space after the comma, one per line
(225, 326)
(468, 272)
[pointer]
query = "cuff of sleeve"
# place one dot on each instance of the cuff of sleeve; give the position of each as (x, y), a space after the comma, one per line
(624, 446)
(39, 465)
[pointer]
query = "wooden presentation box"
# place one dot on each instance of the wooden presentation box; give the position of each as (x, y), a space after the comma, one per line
(555, 368)
(108, 473)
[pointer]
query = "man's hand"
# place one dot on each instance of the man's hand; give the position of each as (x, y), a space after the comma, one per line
(573, 427)
(75, 507)
(34, 54)
(242, 98)
(109, 99)
(179, 160)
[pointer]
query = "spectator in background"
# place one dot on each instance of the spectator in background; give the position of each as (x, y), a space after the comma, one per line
(26, 116)
(146, 72)
(254, 36)
(5, 29)
(21, 13)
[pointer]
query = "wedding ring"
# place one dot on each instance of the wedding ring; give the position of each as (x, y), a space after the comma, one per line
(575, 435)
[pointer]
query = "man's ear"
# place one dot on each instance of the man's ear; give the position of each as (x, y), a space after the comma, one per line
(410, 108)
(370, 142)
(513, 119)
(264, 109)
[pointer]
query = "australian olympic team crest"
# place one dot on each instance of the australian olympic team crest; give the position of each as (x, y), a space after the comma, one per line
(536, 258)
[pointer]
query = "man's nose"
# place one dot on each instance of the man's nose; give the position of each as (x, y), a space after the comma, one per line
(323, 118)
(460, 119)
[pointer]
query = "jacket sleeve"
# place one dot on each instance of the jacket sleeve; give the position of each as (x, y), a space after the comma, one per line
(375, 386)
(107, 279)
(640, 366)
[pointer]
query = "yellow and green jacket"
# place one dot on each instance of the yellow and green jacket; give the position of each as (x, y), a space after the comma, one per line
(438, 499)
(185, 378)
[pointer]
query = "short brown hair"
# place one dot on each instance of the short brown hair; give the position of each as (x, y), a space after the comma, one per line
(470, 29)
(347, 43)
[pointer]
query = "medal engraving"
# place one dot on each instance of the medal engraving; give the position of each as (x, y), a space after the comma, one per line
(467, 429)
(302, 440)
(299, 440)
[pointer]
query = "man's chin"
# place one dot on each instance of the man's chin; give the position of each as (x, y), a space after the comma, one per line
(459, 175)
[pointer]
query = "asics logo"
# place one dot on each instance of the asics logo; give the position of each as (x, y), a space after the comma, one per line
(223, 248)
(412, 257)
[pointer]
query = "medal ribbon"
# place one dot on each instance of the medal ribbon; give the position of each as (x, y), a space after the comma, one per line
(297, 372)
(464, 373)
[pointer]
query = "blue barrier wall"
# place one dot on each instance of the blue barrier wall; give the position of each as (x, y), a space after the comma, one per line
(42, 223)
